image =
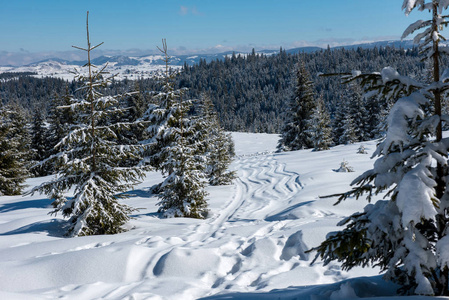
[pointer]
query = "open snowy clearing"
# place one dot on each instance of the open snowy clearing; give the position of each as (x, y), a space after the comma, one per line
(252, 245)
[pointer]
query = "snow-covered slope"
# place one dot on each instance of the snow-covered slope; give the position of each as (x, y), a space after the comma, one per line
(253, 242)
(67, 70)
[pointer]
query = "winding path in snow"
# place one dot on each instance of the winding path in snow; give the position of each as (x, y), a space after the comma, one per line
(262, 184)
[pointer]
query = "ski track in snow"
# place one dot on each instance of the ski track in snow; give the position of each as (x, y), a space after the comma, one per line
(263, 182)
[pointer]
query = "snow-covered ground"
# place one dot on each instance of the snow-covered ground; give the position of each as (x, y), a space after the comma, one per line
(252, 245)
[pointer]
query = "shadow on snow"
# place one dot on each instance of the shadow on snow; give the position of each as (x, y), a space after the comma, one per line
(40, 203)
(362, 287)
(54, 227)
(287, 214)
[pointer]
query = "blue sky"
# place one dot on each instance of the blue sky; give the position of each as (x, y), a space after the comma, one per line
(29, 26)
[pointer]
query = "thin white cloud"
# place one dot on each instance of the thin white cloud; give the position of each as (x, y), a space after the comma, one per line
(196, 12)
(183, 10)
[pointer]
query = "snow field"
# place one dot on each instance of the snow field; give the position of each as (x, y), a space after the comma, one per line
(253, 241)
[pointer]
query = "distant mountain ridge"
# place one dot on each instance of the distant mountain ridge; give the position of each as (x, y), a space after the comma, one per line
(140, 67)
(190, 59)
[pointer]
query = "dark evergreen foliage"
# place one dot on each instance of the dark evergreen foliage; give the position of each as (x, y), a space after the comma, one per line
(251, 94)
(40, 149)
(14, 150)
(60, 119)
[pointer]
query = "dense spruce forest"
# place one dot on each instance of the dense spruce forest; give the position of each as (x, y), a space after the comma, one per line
(250, 93)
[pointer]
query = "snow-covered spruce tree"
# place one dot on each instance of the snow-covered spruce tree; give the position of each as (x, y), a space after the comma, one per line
(20, 131)
(39, 143)
(183, 192)
(319, 127)
(60, 120)
(175, 150)
(406, 234)
(14, 151)
(294, 134)
(219, 146)
(88, 160)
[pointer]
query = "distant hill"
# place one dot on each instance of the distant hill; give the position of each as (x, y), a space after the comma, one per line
(191, 59)
(138, 67)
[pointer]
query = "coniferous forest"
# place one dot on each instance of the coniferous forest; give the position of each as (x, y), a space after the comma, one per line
(249, 93)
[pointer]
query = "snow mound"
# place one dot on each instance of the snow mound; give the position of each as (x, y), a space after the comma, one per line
(295, 246)
(186, 263)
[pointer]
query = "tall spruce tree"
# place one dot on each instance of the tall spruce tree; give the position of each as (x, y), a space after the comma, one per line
(339, 118)
(134, 107)
(319, 127)
(405, 235)
(88, 159)
(175, 150)
(295, 134)
(182, 193)
(14, 150)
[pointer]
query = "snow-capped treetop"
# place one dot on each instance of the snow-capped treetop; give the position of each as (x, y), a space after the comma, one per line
(409, 5)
